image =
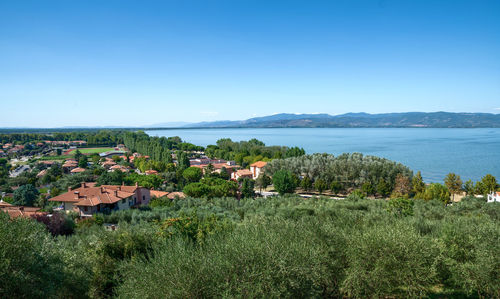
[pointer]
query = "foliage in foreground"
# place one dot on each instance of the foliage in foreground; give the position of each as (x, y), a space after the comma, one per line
(274, 247)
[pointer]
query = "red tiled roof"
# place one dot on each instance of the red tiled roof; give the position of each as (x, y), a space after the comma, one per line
(78, 170)
(259, 164)
(243, 172)
(148, 172)
(19, 211)
(92, 196)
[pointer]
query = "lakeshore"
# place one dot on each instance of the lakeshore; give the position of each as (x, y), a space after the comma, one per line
(472, 153)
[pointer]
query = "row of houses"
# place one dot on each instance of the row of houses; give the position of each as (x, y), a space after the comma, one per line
(230, 166)
(19, 211)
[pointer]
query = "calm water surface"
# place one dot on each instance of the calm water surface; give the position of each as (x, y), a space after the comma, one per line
(471, 153)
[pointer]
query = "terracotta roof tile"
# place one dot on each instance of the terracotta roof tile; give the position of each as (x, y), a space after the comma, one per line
(259, 164)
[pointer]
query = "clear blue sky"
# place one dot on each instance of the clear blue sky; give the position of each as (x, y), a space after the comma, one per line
(137, 63)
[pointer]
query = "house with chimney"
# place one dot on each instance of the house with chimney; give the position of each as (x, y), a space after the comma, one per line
(90, 199)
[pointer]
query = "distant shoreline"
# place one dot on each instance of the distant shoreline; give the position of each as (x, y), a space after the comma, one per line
(57, 130)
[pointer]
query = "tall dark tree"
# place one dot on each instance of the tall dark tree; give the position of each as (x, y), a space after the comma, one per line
(247, 188)
(383, 188)
(263, 181)
(25, 195)
(284, 182)
(488, 184)
(183, 160)
(417, 184)
(320, 185)
(454, 184)
(78, 155)
(192, 174)
(306, 183)
(83, 161)
(469, 187)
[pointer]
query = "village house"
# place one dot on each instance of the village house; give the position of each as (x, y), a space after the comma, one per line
(69, 165)
(257, 168)
(90, 199)
(241, 173)
(218, 164)
(119, 167)
(494, 197)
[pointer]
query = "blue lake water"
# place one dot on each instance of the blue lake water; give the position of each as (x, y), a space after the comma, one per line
(471, 153)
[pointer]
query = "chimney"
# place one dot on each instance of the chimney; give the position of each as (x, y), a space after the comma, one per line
(77, 195)
(69, 189)
(83, 185)
(116, 193)
(136, 184)
(123, 183)
(119, 188)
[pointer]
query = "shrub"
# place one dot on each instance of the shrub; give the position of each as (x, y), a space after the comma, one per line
(387, 260)
(401, 206)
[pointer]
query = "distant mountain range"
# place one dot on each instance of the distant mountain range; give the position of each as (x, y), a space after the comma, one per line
(362, 120)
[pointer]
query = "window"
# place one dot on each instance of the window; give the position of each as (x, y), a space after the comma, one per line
(143, 198)
(123, 200)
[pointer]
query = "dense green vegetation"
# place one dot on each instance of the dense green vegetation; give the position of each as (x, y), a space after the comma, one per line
(274, 247)
(344, 173)
(248, 152)
(101, 137)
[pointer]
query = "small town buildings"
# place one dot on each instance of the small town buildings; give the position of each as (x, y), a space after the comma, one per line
(242, 173)
(494, 197)
(257, 168)
(151, 172)
(69, 165)
(90, 199)
(108, 163)
(19, 211)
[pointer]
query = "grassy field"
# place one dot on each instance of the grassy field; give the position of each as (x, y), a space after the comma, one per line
(47, 158)
(71, 153)
(88, 151)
